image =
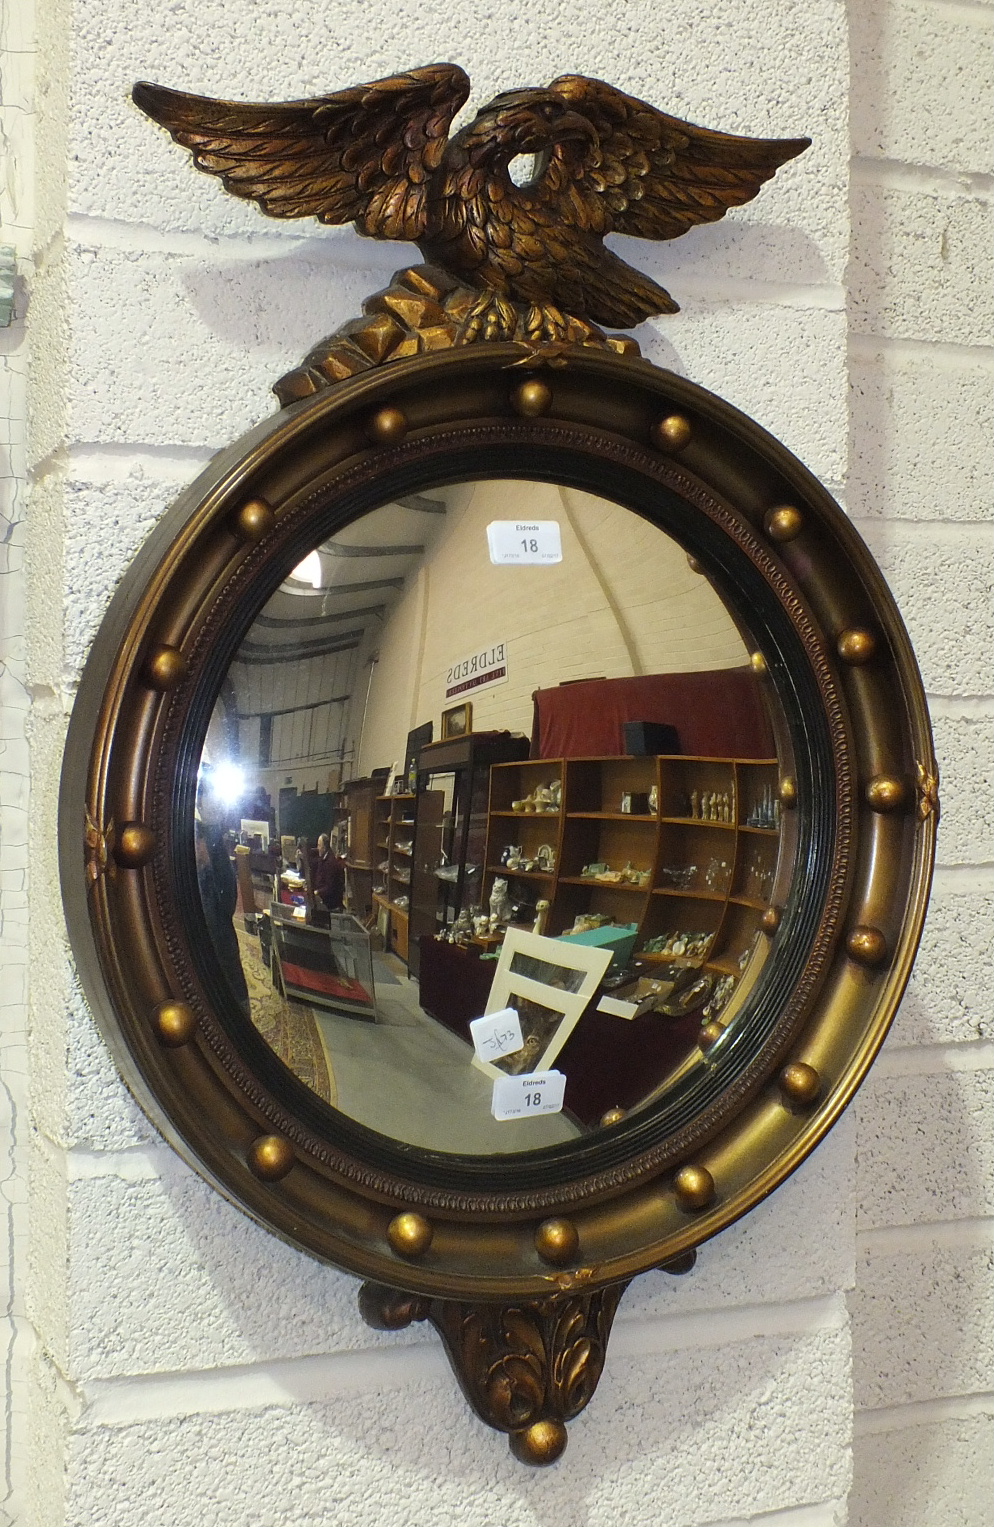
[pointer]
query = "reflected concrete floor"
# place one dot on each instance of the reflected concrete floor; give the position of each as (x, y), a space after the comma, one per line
(409, 1077)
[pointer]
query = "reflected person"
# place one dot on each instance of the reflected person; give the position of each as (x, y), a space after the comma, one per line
(328, 876)
(219, 898)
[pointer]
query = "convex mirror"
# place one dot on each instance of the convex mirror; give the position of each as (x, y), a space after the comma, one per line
(501, 804)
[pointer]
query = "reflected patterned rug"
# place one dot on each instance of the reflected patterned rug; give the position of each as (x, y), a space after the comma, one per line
(288, 1027)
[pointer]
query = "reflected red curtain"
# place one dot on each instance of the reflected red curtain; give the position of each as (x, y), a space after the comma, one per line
(718, 713)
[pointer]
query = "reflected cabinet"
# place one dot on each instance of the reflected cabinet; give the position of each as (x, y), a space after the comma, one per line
(451, 829)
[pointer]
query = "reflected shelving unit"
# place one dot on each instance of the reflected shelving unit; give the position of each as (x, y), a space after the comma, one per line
(691, 845)
(394, 843)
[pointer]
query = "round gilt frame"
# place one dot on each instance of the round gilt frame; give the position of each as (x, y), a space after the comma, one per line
(857, 768)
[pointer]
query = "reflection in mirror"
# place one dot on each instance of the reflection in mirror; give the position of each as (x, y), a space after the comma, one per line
(529, 773)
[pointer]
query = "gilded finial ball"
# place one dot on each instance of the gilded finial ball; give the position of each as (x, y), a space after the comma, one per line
(540, 1444)
(783, 523)
(270, 1157)
(254, 520)
(531, 399)
(613, 1116)
(683, 1263)
(710, 1033)
(557, 1241)
(866, 946)
(693, 564)
(856, 646)
(788, 792)
(672, 434)
(134, 845)
(175, 1024)
(410, 1234)
(799, 1083)
(758, 664)
(166, 668)
(694, 1187)
(387, 425)
(885, 792)
(770, 920)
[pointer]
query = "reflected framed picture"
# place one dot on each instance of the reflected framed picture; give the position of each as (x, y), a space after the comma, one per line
(549, 983)
(457, 722)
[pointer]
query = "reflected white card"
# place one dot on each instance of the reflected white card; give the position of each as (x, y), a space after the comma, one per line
(526, 1097)
(516, 543)
(496, 1034)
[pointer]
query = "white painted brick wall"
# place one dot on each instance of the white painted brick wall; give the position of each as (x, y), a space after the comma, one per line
(925, 1473)
(16, 215)
(922, 468)
(682, 1422)
(191, 1369)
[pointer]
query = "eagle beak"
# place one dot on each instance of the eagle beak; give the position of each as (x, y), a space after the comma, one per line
(573, 125)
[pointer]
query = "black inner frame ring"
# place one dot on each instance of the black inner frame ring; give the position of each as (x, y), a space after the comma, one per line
(797, 690)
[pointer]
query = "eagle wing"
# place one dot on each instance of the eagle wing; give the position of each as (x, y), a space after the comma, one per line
(654, 176)
(362, 155)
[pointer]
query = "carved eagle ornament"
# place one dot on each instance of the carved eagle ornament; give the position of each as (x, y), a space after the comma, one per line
(380, 156)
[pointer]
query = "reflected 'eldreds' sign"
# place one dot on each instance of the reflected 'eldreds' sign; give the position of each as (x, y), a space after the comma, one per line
(481, 670)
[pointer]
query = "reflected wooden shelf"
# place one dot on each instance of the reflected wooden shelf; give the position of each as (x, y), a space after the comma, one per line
(603, 885)
(724, 967)
(504, 870)
(529, 816)
(672, 959)
(697, 822)
(610, 816)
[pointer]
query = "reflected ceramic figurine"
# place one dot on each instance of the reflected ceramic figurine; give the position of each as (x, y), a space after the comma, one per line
(500, 902)
(541, 916)
(462, 928)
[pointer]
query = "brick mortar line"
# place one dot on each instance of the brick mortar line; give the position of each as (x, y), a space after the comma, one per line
(950, 530)
(976, 1231)
(317, 1379)
(960, 708)
(113, 235)
(955, 355)
(826, 1513)
(890, 1418)
(934, 1059)
(963, 879)
(918, 179)
(972, 15)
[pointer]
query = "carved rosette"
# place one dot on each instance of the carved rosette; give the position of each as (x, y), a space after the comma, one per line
(98, 843)
(928, 789)
(526, 1368)
(425, 309)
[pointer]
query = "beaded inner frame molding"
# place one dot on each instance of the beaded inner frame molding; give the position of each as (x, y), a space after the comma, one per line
(521, 1255)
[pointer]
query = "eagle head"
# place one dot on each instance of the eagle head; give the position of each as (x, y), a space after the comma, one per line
(523, 122)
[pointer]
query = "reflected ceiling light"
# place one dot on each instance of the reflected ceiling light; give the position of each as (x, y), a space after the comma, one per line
(308, 571)
(228, 783)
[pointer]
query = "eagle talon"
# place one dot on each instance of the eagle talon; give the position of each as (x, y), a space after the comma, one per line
(490, 318)
(545, 324)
